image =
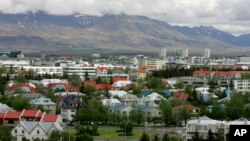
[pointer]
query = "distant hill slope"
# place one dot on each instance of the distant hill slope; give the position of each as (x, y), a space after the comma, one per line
(110, 33)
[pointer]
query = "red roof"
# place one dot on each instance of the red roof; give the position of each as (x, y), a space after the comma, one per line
(102, 69)
(20, 85)
(147, 67)
(225, 72)
(186, 107)
(50, 118)
(68, 87)
(12, 115)
(141, 71)
(2, 116)
(115, 79)
(181, 96)
(202, 72)
(30, 113)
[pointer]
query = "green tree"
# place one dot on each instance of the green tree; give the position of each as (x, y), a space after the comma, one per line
(55, 136)
(219, 136)
(217, 112)
(210, 136)
(19, 103)
(165, 137)
(137, 116)
(196, 136)
(75, 80)
(21, 79)
(166, 109)
(5, 133)
(84, 137)
(144, 137)
(156, 138)
(3, 70)
(127, 128)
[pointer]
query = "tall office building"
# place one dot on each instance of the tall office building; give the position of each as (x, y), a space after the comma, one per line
(184, 53)
(207, 53)
(163, 53)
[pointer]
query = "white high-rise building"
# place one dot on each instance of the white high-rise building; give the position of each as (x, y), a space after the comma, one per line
(163, 53)
(184, 53)
(207, 53)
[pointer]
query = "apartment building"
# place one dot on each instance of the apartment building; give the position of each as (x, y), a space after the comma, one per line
(242, 84)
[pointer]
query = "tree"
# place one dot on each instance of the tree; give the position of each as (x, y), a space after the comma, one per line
(84, 137)
(144, 137)
(217, 112)
(156, 138)
(210, 136)
(75, 80)
(55, 136)
(165, 137)
(137, 116)
(219, 136)
(127, 128)
(196, 136)
(166, 109)
(19, 103)
(21, 79)
(231, 84)
(3, 70)
(5, 133)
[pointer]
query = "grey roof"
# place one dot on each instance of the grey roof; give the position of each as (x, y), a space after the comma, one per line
(46, 126)
(119, 107)
(4, 108)
(32, 96)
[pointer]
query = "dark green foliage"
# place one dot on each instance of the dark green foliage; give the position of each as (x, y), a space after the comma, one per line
(84, 137)
(144, 137)
(55, 136)
(5, 133)
(165, 137)
(210, 136)
(156, 138)
(196, 136)
(126, 128)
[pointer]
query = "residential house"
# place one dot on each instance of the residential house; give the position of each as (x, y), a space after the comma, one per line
(62, 86)
(121, 84)
(188, 107)
(121, 109)
(181, 96)
(119, 93)
(151, 111)
(32, 96)
(141, 74)
(46, 82)
(202, 126)
(129, 99)
(110, 102)
(69, 105)
(31, 130)
(15, 88)
(44, 103)
(155, 97)
(4, 108)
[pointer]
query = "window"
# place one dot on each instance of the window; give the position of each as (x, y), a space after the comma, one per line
(38, 132)
(23, 131)
(15, 130)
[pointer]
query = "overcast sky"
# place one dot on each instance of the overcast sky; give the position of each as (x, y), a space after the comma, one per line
(229, 15)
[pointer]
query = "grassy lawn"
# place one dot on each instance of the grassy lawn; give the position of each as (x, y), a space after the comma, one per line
(110, 132)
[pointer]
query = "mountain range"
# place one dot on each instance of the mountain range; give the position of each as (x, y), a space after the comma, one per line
(35, 32)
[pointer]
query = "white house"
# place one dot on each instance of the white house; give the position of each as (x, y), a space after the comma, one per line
(120, 84)
(31, 130)
(202, 126)
(155, 97)
(241, 84)
(45, 103)
(110, 102)
(119, 93)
